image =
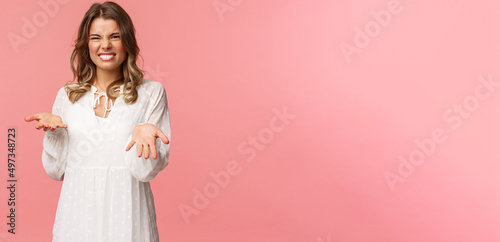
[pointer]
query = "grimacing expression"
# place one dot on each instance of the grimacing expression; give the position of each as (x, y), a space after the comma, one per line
(105, 45)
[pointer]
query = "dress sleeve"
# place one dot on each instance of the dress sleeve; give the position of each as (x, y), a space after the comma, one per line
(146, 169)
(55, 143)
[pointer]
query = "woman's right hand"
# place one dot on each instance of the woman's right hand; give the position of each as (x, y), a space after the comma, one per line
(46, 121)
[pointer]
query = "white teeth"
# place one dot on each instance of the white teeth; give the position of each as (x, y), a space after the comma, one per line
(106, 57)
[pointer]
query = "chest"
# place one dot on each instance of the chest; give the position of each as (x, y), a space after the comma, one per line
(121, 118)
(103, 105)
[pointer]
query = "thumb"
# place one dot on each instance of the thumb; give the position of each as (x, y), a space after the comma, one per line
(162, 136)
(30, 118)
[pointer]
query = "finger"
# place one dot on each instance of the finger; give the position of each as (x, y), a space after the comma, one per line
(139, 150)
(163, 137)
(39, 125)
(153, 149)
(61, 126)
(130, 144)
(146, 151)
(31, 118)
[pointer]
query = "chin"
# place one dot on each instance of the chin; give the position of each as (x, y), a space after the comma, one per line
(109, 68)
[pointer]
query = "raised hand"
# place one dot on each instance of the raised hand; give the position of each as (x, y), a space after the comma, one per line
(46, 121)
(145, 136)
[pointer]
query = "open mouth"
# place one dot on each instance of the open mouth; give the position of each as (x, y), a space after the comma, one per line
(107, 57)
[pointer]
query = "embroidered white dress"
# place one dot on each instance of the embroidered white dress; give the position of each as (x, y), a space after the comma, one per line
(105, 195)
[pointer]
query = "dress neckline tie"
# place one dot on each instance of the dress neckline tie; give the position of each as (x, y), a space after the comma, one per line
(97, 100)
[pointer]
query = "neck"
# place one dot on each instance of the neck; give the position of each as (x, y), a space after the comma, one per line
(104, 78)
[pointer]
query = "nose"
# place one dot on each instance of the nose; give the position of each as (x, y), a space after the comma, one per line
(106, 44)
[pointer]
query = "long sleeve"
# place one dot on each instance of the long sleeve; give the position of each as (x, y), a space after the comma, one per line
(158, 114)
(55, 143)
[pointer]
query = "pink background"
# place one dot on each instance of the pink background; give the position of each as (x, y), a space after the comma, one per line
(320, 176)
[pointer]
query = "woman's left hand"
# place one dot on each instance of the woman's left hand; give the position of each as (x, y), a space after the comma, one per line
(145, 136)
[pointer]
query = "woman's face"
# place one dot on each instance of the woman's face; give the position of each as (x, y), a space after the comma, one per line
(105, 45)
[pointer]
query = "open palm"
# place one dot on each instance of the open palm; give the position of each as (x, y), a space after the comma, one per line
(46, 121)
(145, 136)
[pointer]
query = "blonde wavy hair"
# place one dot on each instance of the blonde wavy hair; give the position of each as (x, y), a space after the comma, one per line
(85, 70)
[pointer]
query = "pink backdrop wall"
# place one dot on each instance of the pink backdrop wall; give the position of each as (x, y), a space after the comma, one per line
(334, 120)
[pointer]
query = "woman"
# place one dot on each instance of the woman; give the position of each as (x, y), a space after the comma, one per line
(94, 123)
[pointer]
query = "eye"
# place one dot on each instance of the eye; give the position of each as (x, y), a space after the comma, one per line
(117, 36)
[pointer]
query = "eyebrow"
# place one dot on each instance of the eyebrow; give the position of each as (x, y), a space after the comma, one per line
(115, 33)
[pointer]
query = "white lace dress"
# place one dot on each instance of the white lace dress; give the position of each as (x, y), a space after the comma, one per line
(105, 195)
